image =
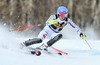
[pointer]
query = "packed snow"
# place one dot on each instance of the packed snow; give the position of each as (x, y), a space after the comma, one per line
(79, 53)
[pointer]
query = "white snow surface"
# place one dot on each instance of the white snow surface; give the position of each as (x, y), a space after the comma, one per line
(79, 53)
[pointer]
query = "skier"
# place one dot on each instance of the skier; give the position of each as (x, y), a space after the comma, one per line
(54, 25)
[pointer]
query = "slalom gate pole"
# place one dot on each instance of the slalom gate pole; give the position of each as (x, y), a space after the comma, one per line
(26, 27)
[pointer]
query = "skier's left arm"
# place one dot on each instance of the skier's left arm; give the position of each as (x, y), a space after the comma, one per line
(77, 29)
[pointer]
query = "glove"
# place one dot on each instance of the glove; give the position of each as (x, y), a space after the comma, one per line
(83, 36)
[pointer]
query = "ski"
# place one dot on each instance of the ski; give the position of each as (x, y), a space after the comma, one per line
(43, 50)
(60, 52)
(37, 51)
(30, 50)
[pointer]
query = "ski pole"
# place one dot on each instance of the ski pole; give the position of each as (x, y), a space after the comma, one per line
(88, 44)
(84, 38)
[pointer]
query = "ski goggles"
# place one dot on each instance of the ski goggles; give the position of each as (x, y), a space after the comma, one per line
(63, 15)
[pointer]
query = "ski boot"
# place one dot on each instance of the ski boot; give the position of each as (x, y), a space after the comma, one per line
(42, 47)
(38, 53)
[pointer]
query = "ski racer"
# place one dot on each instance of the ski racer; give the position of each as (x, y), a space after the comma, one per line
(54, 25)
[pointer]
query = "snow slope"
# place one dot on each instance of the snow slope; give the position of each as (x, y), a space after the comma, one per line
(79, 52)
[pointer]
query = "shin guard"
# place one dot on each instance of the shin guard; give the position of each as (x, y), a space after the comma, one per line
(55, 39)
(32, 41)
